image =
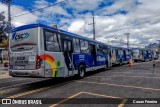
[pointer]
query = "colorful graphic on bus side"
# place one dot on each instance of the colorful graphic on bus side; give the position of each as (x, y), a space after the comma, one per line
(50, 60)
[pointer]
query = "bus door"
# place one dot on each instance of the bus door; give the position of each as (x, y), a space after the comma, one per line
(93, 54)
(125, 55)
(117, 55)
(68, 50)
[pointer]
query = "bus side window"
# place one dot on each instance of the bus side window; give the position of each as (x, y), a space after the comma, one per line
(51, 42)
(69, 47)
(84, 46)
(76, 45)
(65, 47)
(100, 50)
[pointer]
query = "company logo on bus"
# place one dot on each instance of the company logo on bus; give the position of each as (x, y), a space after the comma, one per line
(18, 37)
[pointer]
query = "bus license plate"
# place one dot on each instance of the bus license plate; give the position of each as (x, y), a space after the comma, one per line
(20, 67)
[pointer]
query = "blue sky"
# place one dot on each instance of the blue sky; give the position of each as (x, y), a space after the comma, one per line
(113, 18)
(30, 5)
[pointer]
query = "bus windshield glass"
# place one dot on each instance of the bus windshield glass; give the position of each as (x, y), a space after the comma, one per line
(135, 51)
(24, 40)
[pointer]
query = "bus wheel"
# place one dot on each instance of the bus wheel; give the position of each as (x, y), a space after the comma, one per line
(81, 71)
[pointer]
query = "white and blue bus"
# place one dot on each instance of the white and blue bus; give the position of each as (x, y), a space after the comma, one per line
(155, 55)
(120, 55)
(142, 54)
(38, 50)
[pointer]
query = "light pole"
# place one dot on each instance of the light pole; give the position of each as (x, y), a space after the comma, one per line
(94, 31)
(127, 34)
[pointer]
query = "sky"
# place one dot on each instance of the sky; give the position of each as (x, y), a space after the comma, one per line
(113, 18)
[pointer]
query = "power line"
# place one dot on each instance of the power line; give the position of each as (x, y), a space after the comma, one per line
(39, 9)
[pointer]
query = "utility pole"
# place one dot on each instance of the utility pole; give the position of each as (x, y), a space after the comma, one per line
(127, 34)
(94, 31)
(9, 17)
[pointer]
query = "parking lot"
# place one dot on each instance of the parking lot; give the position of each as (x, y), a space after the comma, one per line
(114, 87)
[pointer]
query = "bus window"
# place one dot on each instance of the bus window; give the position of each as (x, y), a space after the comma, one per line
(99, 50)
(51, 42)
(84, 46)
(120, 52)
(145, 52)
(65, 46)
(136, 51)
(127, 52)
(24, 40)
(69, 46)
(76, 45)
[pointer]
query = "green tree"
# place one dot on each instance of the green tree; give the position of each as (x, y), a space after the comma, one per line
(3, 31)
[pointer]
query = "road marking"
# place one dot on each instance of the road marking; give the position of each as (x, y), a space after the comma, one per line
(28, 92)
(53, 105)
(36, 90)
(117, 85)
(122, 103)
(89, 93)
(5, 75)
(125, 76)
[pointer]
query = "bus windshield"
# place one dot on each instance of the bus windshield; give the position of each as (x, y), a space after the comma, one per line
(24, 40)
(135, 51)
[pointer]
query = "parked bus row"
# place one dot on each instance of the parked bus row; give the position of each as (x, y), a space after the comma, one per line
(37, 50)
(144, 54)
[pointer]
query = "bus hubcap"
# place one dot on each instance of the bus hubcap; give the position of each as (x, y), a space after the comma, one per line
(81, 72)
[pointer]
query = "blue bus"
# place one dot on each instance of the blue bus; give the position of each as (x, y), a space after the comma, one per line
(155, 55)
(37, 50)
(127, 55)
(147, 55)
(137, 54)
(150, 55)
(142, 54)
(120, 55)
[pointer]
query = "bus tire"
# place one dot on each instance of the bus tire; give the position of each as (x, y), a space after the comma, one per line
(81, 71)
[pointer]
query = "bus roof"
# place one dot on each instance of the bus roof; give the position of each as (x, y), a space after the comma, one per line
(55, 29)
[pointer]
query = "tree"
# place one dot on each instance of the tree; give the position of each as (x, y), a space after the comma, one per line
(3, 31)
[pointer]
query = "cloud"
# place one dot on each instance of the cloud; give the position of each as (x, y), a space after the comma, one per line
(141, 20)
(83, 5)
(17, 10)
(138, 17)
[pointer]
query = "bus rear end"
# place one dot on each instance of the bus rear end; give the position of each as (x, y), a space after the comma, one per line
(137, 55)
(23, 50)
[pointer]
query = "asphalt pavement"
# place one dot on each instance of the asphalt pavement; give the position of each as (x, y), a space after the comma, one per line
(118, 86)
